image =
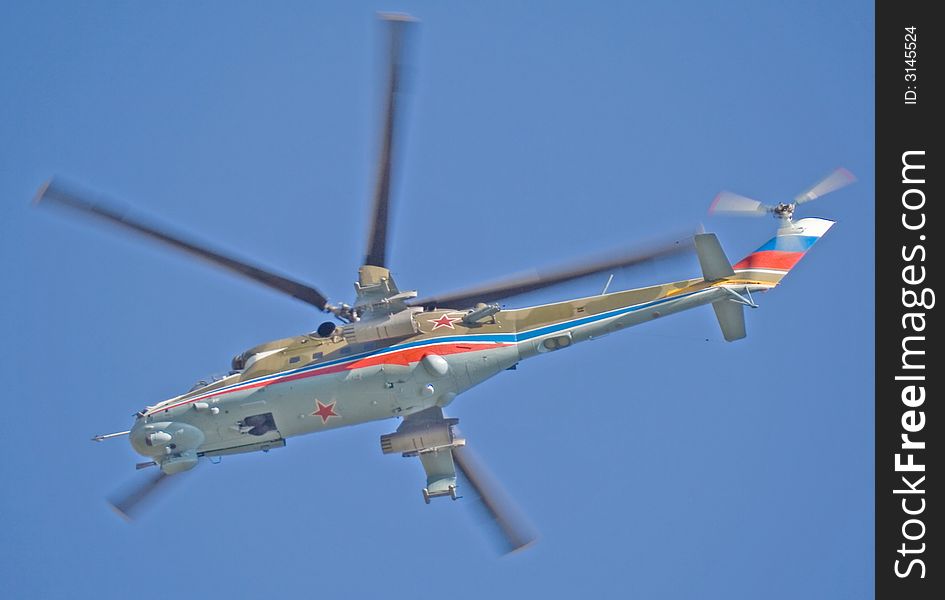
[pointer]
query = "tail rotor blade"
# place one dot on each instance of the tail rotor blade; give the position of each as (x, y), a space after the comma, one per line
(834, 181)
(130, 503)
(736, 204)
(515, 534)
(398, 26)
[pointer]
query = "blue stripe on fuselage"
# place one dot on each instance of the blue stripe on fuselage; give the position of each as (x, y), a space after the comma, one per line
(509, 338)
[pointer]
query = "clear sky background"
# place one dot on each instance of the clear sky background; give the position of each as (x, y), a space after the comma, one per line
(660, 462)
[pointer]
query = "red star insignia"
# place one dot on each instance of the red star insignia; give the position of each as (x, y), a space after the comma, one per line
(325, 411)
(443, 321)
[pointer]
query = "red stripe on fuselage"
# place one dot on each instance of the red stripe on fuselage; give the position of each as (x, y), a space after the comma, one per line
(770, 259)
(399, 357)
(412, 355)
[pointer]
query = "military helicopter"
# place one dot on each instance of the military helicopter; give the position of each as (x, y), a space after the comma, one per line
(394, 354)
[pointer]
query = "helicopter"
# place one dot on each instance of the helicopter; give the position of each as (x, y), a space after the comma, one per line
(392, 353)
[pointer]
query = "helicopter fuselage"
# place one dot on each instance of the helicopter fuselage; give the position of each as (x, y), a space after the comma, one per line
(308, 383)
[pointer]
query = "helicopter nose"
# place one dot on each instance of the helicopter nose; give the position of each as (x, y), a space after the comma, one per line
(165, 438)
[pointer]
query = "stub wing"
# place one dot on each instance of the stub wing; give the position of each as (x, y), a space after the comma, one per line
(429, 436)
(441, 473)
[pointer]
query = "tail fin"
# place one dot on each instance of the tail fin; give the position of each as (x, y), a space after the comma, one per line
(771, 262)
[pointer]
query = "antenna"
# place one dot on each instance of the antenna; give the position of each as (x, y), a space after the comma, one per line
(107, 436)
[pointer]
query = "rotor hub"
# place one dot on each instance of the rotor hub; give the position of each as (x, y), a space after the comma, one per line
(784, 210)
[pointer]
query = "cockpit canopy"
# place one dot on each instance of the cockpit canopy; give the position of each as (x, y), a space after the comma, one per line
(239, 361)
(245, 360)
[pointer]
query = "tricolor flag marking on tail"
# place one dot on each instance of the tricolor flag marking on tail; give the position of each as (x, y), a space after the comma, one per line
(787, 248)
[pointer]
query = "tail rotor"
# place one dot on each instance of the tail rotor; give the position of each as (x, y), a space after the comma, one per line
(730, 203)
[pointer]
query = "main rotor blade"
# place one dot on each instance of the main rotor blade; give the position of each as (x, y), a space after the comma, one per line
(536, 280)
(515, 533)
(376, 253)
(736, 204)
(831, 183)
(130, 503)
(55, 193)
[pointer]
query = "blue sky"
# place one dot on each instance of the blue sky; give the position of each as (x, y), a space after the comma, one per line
(656, 463)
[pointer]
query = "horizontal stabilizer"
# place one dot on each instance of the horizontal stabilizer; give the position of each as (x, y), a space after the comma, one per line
(715, 264)
(731, 316)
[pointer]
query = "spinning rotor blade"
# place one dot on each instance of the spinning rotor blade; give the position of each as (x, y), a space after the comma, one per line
(836, 180)
(376, 253)
(515, 534)
(735, 204)
(53, 192)
(129, 504)
(536, 280)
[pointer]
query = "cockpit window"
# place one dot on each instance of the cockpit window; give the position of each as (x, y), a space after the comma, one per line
(239, 362)
(213, 379)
